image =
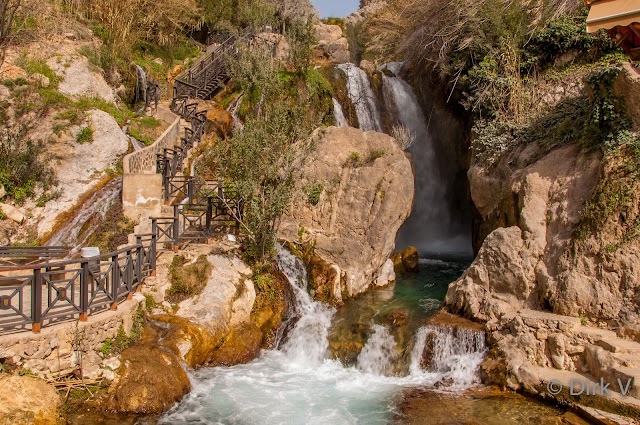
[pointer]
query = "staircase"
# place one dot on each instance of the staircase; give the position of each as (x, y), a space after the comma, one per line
(209, 73)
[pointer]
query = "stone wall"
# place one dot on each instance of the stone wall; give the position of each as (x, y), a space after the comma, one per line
(51, 352)
(142, 195)
(144, 160)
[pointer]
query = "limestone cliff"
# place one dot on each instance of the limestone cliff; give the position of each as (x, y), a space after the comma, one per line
(556, 277)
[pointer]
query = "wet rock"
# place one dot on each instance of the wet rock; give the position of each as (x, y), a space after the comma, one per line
(367, 66)
(397, 317)
(151, 378)
(271, 308)
(190, 341)
(25, 400)
(410, 259)
(241, 345)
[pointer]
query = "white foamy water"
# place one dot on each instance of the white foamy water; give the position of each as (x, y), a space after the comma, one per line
(362, 97)
(338, 114)
(298, 384)
(379, 353)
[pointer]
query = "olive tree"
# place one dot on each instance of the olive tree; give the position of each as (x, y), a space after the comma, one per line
(8, 9)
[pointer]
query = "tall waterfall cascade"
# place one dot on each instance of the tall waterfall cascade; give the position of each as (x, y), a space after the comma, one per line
(300, 383)
(437, 226)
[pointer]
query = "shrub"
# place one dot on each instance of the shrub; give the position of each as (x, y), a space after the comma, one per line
(313, 193)
(22, 167)
(85, 135)
(187, 280)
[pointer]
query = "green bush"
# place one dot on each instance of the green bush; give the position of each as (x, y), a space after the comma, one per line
(313, 192)
(85, 135)
(22, 166)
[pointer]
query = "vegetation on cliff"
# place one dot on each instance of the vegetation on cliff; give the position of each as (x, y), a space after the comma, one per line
(283, 104)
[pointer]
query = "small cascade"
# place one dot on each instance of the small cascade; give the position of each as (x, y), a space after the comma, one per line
(88, 218)
(338, 114)
(362, 97)
(307, 344)
(379, 353)
(140, 94)
(233, 110)
(454, 354)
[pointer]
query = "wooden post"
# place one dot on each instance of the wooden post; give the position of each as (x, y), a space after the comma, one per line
(36, 301)
(115, 282)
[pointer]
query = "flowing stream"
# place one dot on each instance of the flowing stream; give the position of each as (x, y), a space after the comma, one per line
(300, 383)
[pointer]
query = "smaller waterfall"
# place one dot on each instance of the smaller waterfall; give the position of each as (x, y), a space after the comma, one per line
(140, 94)
(379, 353)
(362, 96)
(307, 343)
(338, 114)
(233, 110)
(453, 353)
(89, 217)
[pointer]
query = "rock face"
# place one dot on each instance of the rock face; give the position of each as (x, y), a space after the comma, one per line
(81, 165)
(354, 194)
(534, 212)
(332, 45)
(541, 278)
(151, 378)
(226, 300)
(80, 79)
(26, 401)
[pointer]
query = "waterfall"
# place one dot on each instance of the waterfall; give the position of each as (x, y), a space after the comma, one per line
(88, 218)
(436, 225)
(307, 343)
(140, 94)
(362, 97)
(338, 115)
(453, 353)
(379, 353)
(233, 110)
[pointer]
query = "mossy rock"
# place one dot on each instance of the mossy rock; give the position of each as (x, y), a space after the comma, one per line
(151, 378)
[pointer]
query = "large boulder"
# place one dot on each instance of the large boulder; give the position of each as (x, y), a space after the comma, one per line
(354, 194)
(530, 205)
(80, 79)
(25, 401)
(226, 300)
(151, 378)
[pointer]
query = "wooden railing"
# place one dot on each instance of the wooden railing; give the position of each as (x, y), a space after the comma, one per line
(38, 295)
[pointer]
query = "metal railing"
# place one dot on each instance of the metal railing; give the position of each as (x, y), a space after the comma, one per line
(52, 292)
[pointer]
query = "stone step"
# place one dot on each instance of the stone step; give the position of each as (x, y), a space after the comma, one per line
(618, 345)
(594, 335)
(629, 360)
(558, 383)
